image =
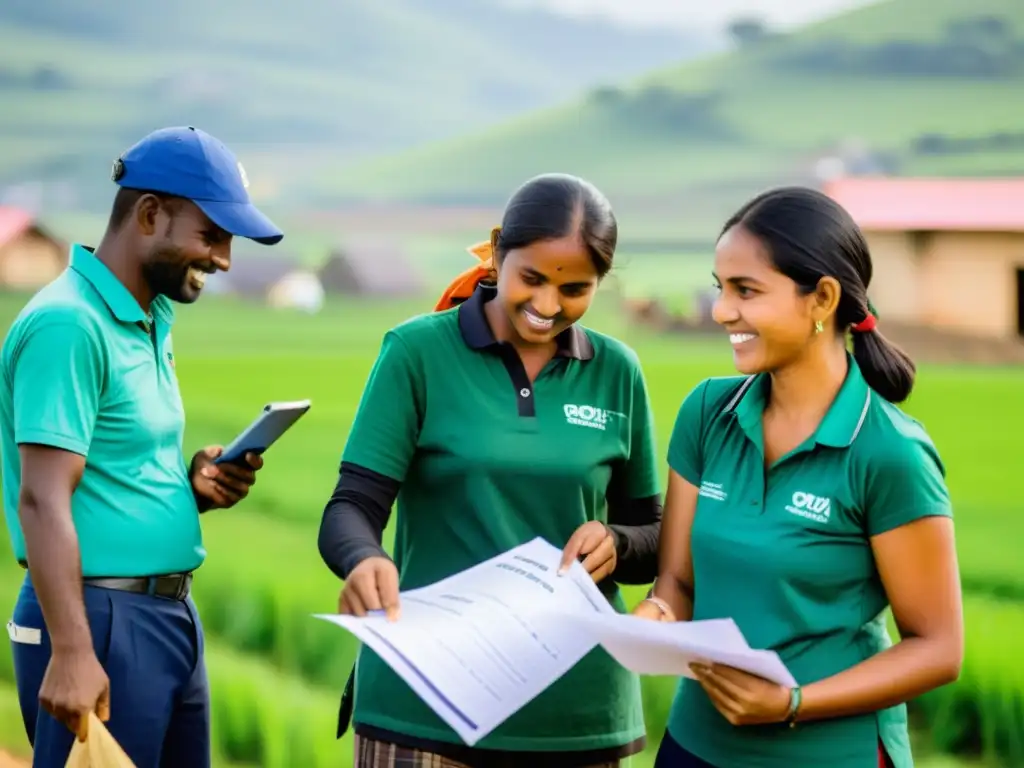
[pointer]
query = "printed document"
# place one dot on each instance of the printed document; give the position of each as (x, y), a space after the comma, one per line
(668, 648)
(479, 645)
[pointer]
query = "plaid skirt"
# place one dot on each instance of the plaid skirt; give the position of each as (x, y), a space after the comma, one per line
(379, 754)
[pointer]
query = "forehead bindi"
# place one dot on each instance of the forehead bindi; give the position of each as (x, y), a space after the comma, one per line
(566, 259)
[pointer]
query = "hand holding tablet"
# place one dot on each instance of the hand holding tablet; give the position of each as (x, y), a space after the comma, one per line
(275, 419)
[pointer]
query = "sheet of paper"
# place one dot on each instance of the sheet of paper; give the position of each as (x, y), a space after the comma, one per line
(479, 645)
(660, 648)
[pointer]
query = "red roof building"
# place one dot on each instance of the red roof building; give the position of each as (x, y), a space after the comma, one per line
(30, 256)
(947, 253)
(13, 222)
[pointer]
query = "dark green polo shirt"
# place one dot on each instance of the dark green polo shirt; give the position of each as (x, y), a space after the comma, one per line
(84, 369)
(786, 553)
(488, 461)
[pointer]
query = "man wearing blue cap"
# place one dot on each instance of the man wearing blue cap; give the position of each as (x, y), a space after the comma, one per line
(101, 506)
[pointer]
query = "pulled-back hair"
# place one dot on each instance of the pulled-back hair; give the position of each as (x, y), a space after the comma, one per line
(547, 207)
(808, 236)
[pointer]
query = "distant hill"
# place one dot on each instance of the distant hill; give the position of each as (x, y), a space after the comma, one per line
(293, 83)
(903, 86)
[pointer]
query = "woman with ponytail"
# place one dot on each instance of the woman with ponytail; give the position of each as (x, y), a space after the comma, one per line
(802, 503)
(493, 420)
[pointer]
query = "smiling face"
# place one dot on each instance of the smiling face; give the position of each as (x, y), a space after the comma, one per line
(185, 247)
(770, 321)
(544, 288)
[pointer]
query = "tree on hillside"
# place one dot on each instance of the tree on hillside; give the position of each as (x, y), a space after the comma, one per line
(748, 30)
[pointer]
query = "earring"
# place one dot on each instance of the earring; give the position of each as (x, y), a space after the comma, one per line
(818, 326)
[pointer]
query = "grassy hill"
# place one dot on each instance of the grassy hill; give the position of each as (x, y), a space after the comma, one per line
(291, 83)
(905, 86)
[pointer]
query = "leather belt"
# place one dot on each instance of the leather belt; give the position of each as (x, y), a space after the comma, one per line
(175, 586)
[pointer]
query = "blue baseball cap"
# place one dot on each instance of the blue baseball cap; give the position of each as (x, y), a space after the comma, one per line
(190, 163)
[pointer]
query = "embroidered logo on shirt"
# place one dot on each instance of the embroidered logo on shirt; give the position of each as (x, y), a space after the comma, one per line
(817, 508)
(712, 491)
(588, 416)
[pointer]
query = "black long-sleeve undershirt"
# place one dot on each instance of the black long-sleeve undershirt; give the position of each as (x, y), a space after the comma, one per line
(357, 513)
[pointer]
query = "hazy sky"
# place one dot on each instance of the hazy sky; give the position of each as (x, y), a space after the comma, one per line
(709, 14)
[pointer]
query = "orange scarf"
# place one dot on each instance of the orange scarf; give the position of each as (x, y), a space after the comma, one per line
(462, 287)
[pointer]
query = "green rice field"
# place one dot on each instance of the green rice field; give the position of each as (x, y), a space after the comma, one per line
(277, 673)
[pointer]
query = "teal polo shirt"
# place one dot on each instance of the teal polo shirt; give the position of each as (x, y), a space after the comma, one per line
(84, 369)
(785, 551)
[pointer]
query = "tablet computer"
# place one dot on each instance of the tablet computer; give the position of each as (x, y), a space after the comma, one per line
(273, 421)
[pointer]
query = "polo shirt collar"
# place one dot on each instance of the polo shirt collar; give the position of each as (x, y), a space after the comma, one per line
(573, 342)
(113, 292)
(842, 422)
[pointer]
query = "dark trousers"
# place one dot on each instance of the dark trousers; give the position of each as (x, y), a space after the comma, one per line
(672, 755)
(152, 651)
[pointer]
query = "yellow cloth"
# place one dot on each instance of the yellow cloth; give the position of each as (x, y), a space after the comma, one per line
(98, 750)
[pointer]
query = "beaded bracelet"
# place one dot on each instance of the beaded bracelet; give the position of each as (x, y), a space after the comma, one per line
(795, 698)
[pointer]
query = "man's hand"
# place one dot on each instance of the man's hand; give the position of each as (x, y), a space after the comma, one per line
(371, 586)
(220, 486)
(73, 686)
(593, 540)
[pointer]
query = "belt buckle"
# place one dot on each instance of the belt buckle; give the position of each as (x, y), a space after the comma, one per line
(184, 582)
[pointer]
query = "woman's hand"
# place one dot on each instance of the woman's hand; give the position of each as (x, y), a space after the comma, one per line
(654, 610)
(742, 698)
(371, 586)
(595, 541)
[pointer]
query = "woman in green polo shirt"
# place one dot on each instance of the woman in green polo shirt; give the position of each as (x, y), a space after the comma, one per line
(802, 503)
(493, 420)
